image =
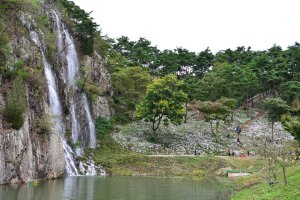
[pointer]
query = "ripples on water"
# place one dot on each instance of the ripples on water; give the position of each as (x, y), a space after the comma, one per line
(114, 188)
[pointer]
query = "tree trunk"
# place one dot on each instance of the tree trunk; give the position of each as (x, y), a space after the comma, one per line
(186, 112)
(284, 174)
(269, 169)
(272, 131)
(247, 99)
(251, 97)
(154, 128)
(217, 127)
(274, 174)
(212, 130)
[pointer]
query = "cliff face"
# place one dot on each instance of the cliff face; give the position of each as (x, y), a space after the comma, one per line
(31, 153)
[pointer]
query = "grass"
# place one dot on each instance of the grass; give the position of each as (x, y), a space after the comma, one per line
(120, 161)
(263, 191)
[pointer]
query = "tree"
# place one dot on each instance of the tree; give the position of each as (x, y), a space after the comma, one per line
(191, 88)
(278, 153)
(139, 53)
(167, 63)
(130, 85)
(85, 27)
(214, 112)
(204, 61)
(291, 121)
(293, 56)
(186, 61)
(3, 45)
(163, 102)
(276, 107)
(290, 91)
(230, 103)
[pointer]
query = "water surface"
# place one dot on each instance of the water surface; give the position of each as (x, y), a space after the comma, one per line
(115, 188)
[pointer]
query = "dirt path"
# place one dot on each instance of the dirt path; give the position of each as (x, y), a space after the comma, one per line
(172, 155)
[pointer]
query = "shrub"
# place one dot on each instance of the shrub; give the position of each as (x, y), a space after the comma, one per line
(103, 126)
(15, 105)
(44, 124)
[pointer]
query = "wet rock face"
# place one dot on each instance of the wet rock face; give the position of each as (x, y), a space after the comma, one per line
(101, 77)
(29, 154)
(25, 154)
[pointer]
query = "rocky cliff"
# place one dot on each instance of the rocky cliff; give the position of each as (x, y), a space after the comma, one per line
(35, 150)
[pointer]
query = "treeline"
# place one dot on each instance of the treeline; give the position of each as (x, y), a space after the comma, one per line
(237, 74)
(157, 86)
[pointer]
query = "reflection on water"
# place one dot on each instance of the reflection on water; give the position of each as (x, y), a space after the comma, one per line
(114, 188)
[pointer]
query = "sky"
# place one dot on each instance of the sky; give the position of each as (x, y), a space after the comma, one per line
(198, 24)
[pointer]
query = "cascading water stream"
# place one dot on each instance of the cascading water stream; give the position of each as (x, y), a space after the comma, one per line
(55, 105)
(72, 72)
(92, 141)
(67, 46)
(73, 65)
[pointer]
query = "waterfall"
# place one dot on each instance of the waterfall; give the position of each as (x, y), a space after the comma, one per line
(92, 141)
(72, 70)
(55, 105)
(69, 157)
(73, 65)
(67, 47)
(72, 74)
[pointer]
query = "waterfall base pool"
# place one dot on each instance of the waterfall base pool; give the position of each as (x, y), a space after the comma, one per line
(115, 188)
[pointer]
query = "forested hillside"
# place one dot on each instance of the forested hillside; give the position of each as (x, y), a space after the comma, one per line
(76, 102)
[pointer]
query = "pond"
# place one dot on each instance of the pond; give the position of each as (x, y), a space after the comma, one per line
(115, 188)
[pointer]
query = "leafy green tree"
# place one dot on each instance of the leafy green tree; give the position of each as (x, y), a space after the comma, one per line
(85, 27)
(103, 126)
(3, 46)
(138, 53)
(240, 56)
(186, 61)
(15, 105)
(163, 102)
(249, 83)
(203, 62)
(292, 125)
(230, 103)
(124, 46)
(143, 53)
(191, 88)
(167, 63)
(293, 56)
(290, 91)
(276, 107)
(213, 85)
(291, 121)
(130, 85)
(214, 112)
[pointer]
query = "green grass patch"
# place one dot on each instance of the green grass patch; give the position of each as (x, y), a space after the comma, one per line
(262, 190)
(120, 161)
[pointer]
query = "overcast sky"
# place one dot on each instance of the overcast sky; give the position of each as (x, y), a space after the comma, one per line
(197, 24)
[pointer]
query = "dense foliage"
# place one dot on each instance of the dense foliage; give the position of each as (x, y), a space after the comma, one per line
(163, 102)
(15, 105)
(103, 126)
(291, 120)
(276, 107)
(130, 85)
